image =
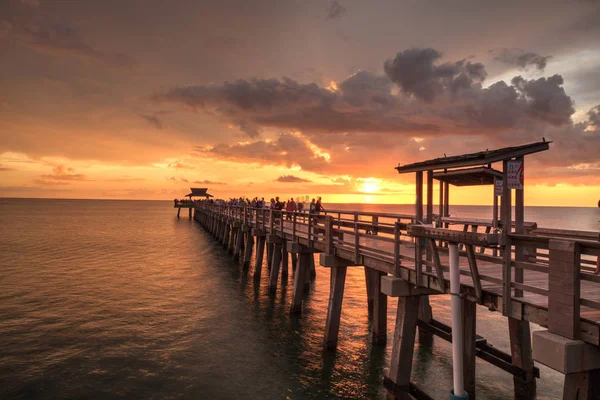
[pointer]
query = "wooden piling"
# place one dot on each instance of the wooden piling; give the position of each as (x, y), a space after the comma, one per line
(238, 244)
(284, 261)
(369, 285)
(379, 323)
(582, 385)
(260, 249)
(294, 261)
(469, 314)
(520, 347)
(225, 238)
(302, 270)
(334, 310)
(404, 343)
(248, 250)
(275, 264)
(178, 212)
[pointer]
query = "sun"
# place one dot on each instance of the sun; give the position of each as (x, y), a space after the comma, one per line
(369, 187)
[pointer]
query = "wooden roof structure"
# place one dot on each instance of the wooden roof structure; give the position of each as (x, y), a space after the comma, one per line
(198, 192)
(468, 176)
(474, 159)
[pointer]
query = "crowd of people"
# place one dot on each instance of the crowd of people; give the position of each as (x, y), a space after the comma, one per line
(290, 205)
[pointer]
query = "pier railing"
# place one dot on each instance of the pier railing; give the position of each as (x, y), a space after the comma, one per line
(544, 276)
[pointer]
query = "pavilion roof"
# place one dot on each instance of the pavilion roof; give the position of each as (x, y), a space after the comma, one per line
(198, 192)
(468, 176)
(475, 159)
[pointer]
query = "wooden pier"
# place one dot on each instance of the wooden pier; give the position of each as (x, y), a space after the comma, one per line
(530, 275)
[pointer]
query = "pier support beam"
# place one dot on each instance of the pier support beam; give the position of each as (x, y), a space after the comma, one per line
(275, 264)
(469, 317)
(284, 260)
(334, 310)
(225, 238)
(260, 249)
(238, 244)
(379, 307)
(404, 344)
(248, 250)
(302, 271)
(369, 285)
(520, 347)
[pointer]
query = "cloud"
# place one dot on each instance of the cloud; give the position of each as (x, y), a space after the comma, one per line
(545, 99)
(335, 10)
(288, 104)
(286, 150)
(179, 165)
(4, 169)
(207, 182)
(30, 26)
(125, 178)
(415, 71)
(178, 180)
(594, 116)
(60, 175)
(291, 179)
(521, 58)
(153, 120)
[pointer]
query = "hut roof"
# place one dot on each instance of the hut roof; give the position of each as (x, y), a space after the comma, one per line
(198, 192)
(473, 159)
(468, 176)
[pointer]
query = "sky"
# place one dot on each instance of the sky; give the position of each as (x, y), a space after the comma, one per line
(143, 99)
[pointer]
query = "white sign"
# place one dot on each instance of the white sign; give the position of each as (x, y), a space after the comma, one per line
(499, 187)
(516, 174)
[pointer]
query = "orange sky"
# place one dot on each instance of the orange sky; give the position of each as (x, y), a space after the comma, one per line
(113, 102)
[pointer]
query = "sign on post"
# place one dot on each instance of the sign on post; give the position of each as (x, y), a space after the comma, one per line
(499, 187)
(516, 174)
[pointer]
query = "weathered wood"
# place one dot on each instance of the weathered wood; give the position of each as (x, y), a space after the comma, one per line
(238, 244)
(269, 253)
(564, 288)
(582, 385)
(519, 229)
(474, 272)
(178, 212)
(438, 265)
(379, 322)
(404, 341)
(520, 347)
(232, 238)
(299, 279)
(248, 250)
(474, 238)
(334, 310)
(260, 249)
(419, 219)
(469, 314)
(313, 269)
(506, 248)
(429, 218)
(369, 285)
(294, 259)
(275, 265)
(225, 238)
(284, 260)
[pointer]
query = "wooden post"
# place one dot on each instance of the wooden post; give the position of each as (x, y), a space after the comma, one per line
(495, 215)
(564, 288)
(238, 244)
(248, 250)
(178, 212)
(418, 219)
(313, 270)
(446, 201)
(190, 212)
(232, 238)
(299, 279)
(441, 201)
(269, 254)
(294, 261)
(379, 323)
(260, 249)
(404, 342)
(429, 218)
(469, 314)
(275, 263)
(520, 347)
(582, 385)
(507, 227)
(284, 260)
(225, 238)
(519, 228)
(356, 239)
(334, 311)
(369, 285)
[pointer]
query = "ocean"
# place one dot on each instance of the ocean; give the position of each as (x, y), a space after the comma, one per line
(120, 299)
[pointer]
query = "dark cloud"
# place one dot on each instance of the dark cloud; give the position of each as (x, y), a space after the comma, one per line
(594, 116)
(4, 169)
(335, 10)
(291, 179)
(27, 24)
(521, 58)
(363, 103)
(153, 120)
(545, 99)
(415, 71)
(207, 182)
